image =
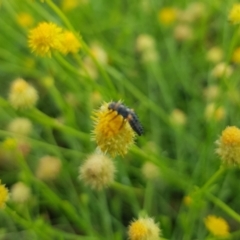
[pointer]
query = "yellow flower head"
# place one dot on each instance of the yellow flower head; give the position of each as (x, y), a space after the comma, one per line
(187, 200)
(21, 126)
(3, 195)
(229, 146)
(68, 5)
(9, 144)
(150, 171)
(167, 16)
(49, 168)
(143, 229)
(44, 38)
(25, 19)
(20, 193)
(236, 55)
(215, 54)
(234, 15)
(112, 132)
(69, 43)
(22, 95)
(98, 171)
(217, 226)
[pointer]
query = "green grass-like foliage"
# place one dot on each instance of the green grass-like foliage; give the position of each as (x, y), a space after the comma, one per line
(181, 98)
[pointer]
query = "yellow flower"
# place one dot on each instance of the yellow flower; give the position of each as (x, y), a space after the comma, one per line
(217, 226)
(3, 195)
(69, 43)
(143, 229)
(112, 132)
(98, 171)
(178, 117)
(25, 19)
(21, 126)
(236, 55)
(229, 146)
(150, 171)
(48, 168)
(234, 15)
(20, 193)
(9, 144)
(187, 200)
(222, 69)
(215, 54)
(22, 95)
(44, 38)
(68, 5)
(167, 16)
(213, 112)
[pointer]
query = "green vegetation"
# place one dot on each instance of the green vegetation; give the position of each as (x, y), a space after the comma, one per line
(175, 63)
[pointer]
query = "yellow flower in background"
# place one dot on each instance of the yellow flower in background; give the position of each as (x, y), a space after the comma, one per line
(217, 226)
(167, 16)
(69, 43)
(25, 19)
(150, 171)
(215, 54)
(20, 193)
(229, 146)
(68, 5)
(234, 15)
(9, 144)
(48, 168)
(98, 171)
(3, 195)
(221, 70)
(22, 95)
(213, 112)
(187, 200)
(21, 126)
(45, 38)
(112, 132)
(144, 229)
(236, 55)
(178, 117)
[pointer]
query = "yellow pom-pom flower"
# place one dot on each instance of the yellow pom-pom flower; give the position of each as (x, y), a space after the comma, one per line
(22, 95)
(48, 168)
(229, 146)
(98, 171)
(217, 226)
(21, 126)
(112, 132)
(25, 19)
(236, 56)
(45, 38)
(70, 43)
(167, 16)
(3, 195)
(144, 229)
(234, 15)
(20, 193)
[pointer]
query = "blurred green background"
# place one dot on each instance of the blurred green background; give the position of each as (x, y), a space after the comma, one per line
(175, 63)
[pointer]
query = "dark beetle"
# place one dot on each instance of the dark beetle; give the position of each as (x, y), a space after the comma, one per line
(127, 114)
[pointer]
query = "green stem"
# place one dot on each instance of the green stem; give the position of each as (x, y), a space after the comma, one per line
(42, 118)
(214, 177)
(223, 206)
(42, 233)
(46, 120)
(47, 146)
(84, 46)
(67, 65)
(148, 196)
(126, 189)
